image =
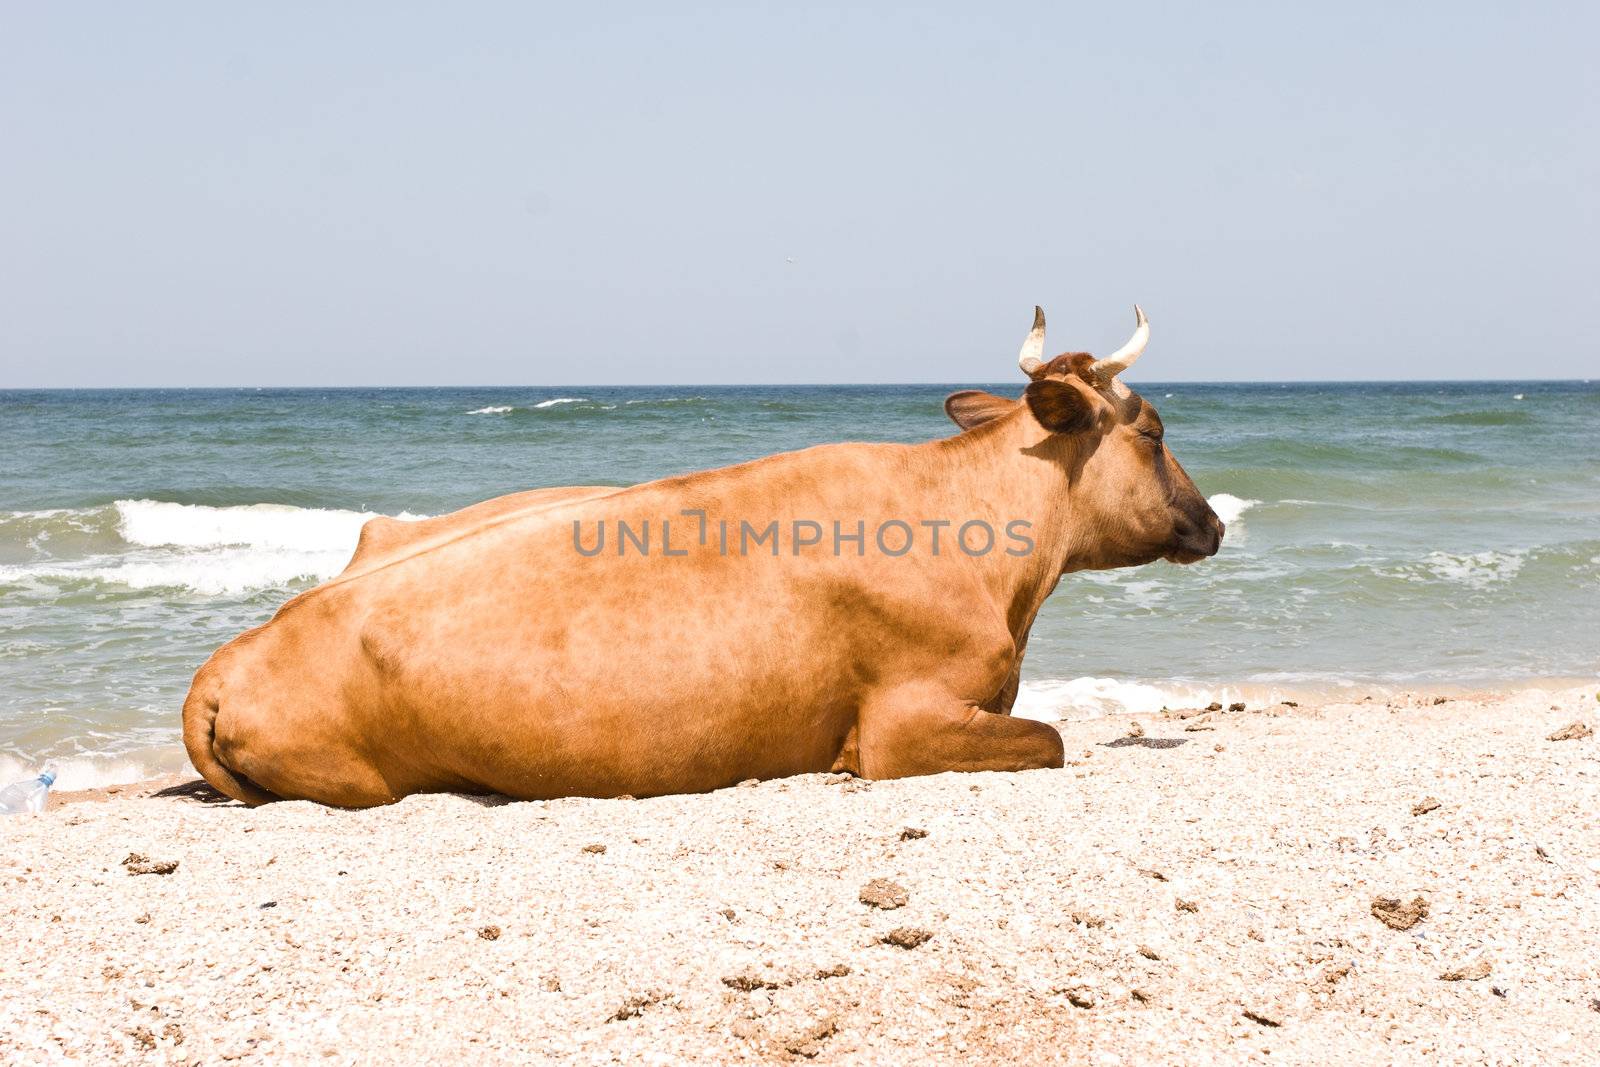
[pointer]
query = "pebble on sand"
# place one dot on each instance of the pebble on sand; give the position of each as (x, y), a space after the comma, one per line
(913, 833)
(1135, 730)
(1425, 805)
(489, 933)
(882, 893)
(1573, 731)
(1470, 972)
(595, 848)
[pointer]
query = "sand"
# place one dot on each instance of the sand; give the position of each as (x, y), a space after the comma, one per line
(1205, 891)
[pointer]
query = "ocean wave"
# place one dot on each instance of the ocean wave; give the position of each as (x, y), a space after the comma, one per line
(153, 544)
(212, 573)
(155, 523)
(493, 409)
(1482, 418)
(562, 400)
(1229, 508)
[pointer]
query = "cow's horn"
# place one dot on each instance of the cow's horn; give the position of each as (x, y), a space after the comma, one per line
(1124, 357)
(1031, 358)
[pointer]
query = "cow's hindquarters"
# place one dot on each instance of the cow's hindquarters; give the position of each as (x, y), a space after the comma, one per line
(199, 737)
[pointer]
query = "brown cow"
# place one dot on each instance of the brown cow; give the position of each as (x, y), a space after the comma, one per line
(721, 633)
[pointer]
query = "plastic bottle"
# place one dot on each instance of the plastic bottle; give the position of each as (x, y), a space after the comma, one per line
(28, 796)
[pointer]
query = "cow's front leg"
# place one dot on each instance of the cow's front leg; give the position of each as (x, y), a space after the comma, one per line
(918, 730)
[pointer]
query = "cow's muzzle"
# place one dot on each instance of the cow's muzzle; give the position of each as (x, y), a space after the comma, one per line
(1195, 539)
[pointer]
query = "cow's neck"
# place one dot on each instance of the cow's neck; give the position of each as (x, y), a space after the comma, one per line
(1013, 469)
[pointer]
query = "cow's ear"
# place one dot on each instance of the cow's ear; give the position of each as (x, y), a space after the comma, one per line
(1058, 406)
(974, 407)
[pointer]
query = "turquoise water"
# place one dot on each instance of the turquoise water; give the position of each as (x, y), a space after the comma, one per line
(1422, 535)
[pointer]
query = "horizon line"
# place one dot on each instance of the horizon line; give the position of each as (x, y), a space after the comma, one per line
(784, 385)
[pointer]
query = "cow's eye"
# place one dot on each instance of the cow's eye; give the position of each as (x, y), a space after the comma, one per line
(1153, 436)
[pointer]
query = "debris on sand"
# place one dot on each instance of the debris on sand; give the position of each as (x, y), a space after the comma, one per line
(1214, 706)
(489, 933)
(138, 864)
(1185, 905)
(1471, 972)
(750, 981)
(1083, 918)
(882, 893)
(807, 1043)
(1260, 1019)
(913, 833)
(597, 848)
(1398, 915)
(1149, 953)
(1425, 805)
(1080, 996)
(1236, 706)
(1573, 731)
(635, 1005)
(907, 937)
(1336, 973)
(1290, 703)
(1135, 730)
(1198, 726)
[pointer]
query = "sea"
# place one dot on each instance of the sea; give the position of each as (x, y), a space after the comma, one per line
(1385, 538)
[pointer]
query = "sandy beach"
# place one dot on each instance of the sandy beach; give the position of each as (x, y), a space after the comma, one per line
(1402, 882)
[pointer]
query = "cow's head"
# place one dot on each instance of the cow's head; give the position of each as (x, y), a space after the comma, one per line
(1130, 497)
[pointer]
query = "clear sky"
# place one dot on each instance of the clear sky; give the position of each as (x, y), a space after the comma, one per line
(388, 193)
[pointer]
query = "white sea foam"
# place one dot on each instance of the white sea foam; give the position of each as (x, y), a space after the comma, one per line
(1479, 570)
(94, 772)
(1093, 698)
(155, 523)
(493, 409)
(1230, 508)
(561, 400)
